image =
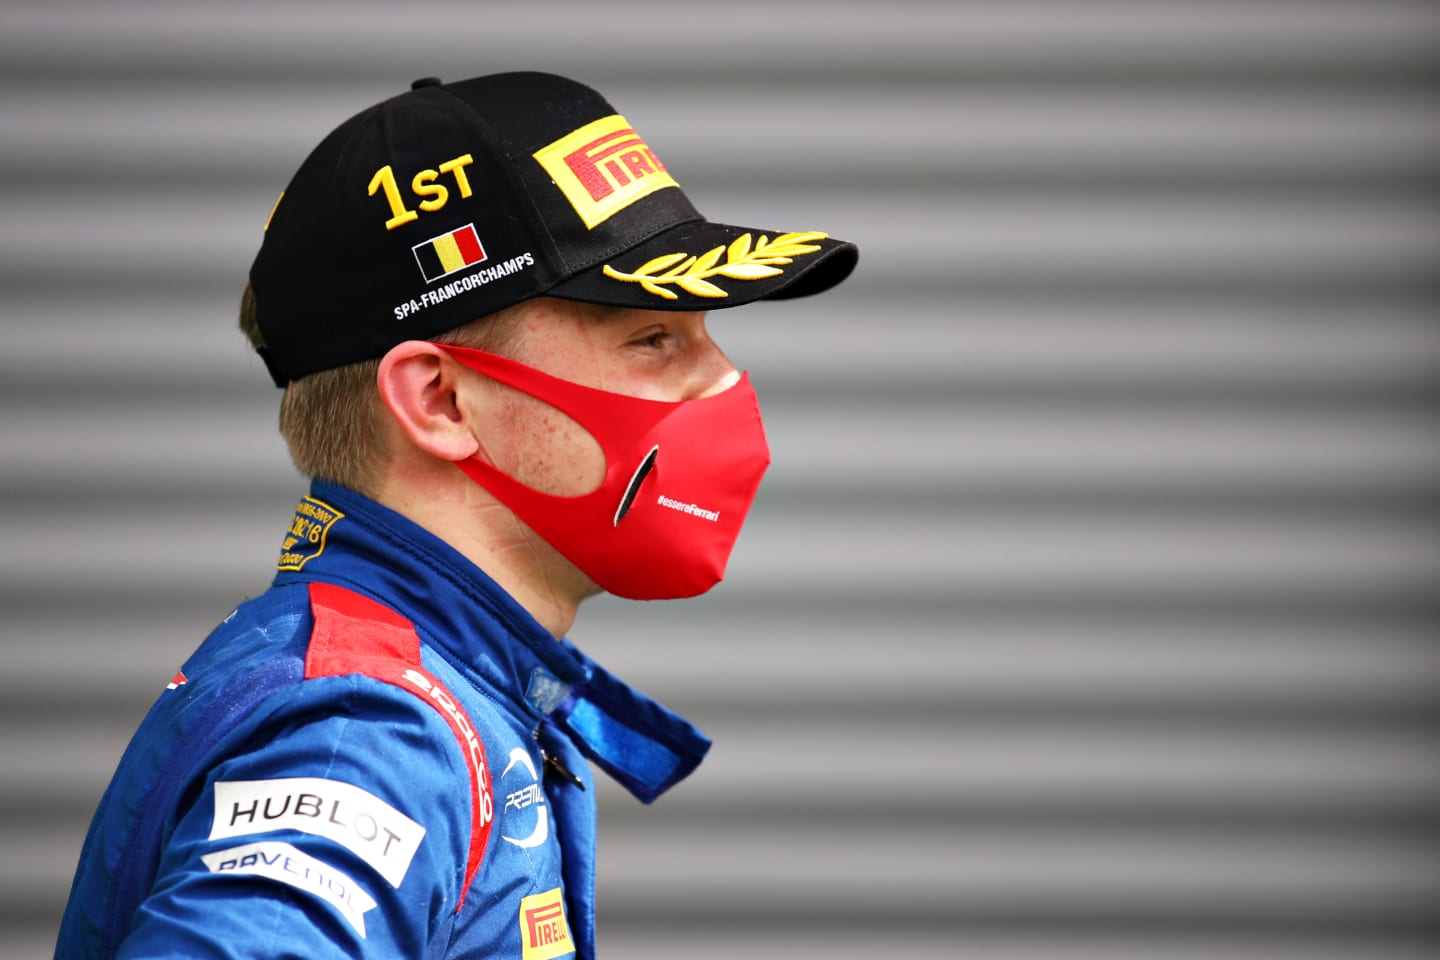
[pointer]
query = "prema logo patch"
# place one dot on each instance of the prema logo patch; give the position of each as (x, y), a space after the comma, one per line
(356, 819)
(544, 933)
(529, 795)
(276, 860)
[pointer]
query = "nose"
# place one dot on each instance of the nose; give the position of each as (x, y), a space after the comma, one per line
(710, 372)
(727, 379)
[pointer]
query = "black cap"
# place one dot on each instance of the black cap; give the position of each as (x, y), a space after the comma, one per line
(452, 201)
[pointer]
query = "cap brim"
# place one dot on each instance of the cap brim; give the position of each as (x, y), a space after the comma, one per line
(707, 266)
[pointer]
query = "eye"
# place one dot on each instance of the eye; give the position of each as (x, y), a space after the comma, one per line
(654, 339)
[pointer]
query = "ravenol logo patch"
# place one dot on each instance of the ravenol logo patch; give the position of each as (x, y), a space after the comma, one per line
(603, 167)
(443, 255)
(282, 862)
(305, 540)
(544, 935)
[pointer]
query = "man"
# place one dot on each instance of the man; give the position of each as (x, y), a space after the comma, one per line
(486, 303)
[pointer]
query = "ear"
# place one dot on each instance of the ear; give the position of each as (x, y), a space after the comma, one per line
(418, 382)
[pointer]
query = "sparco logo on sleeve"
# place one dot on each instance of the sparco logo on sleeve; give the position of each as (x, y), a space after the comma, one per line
(358, 820)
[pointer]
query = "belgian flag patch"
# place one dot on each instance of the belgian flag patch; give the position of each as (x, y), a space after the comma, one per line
(443, 255)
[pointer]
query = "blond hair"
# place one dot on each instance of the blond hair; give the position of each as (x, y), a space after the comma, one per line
(333, 420)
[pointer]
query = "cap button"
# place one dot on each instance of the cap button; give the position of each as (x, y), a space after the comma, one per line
(425, 82)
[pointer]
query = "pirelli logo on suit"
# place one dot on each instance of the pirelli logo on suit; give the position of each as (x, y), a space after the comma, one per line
(544, 934)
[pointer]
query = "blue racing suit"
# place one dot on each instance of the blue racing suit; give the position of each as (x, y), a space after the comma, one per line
(384, 755)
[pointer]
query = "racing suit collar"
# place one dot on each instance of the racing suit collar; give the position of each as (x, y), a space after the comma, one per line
(488, 637)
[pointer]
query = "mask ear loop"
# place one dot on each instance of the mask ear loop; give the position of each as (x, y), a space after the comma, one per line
(641, 472)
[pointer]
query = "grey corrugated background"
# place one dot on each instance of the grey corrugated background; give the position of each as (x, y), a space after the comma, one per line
(1092, 608)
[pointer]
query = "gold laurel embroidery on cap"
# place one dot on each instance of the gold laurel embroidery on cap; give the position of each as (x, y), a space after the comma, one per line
(272, 212)
(742, 262)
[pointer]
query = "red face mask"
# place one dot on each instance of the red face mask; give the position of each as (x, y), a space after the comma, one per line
(679, 479)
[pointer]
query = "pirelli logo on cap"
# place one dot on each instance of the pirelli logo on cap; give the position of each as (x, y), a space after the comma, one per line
(443, 255)
(544, 935)
(603, 167)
